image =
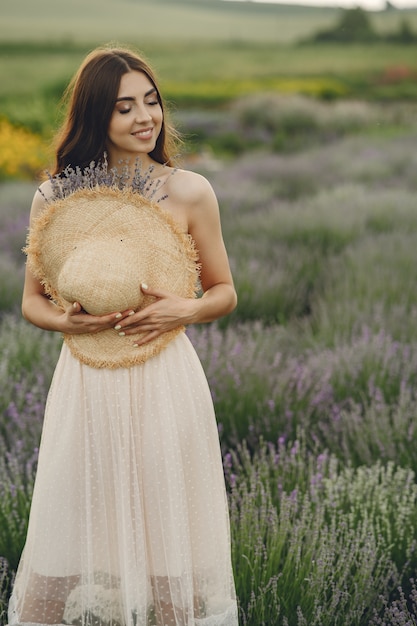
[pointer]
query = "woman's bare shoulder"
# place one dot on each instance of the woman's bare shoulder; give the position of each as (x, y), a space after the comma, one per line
(189, 187)
(43, 194)
(45, 189)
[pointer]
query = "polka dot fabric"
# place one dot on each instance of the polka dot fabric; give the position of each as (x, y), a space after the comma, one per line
(129, 522)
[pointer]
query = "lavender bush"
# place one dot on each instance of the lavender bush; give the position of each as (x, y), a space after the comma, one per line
(28, 358)
(357, 399)
(367, 276)
(14, 218)
(402, 611)
(285, 123)
(6, 580)
(16, 485)
(291, 223)
(11, 283)
(373, 162)
(315, 542)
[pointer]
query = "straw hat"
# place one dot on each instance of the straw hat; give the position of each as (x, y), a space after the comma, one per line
(96, 246)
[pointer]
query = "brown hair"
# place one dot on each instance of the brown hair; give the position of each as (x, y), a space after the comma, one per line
(92, 94)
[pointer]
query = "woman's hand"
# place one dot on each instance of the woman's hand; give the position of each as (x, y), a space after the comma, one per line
(167, 312)
(75, 321)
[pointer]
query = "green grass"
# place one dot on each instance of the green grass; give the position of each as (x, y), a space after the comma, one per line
(160, 20)
(38, 65)
(213, 72)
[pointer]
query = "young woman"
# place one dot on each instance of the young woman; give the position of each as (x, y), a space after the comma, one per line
(129, 522)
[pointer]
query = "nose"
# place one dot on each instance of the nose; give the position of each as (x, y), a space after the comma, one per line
(142, 115)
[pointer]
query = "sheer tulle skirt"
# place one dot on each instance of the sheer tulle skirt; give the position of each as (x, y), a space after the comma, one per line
(129, 523)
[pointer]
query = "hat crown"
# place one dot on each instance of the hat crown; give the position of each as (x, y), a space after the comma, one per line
(100, 276)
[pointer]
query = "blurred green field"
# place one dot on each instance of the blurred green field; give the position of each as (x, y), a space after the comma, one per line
(147, 20)
(206, 52)
(195, 20)
(211, 74)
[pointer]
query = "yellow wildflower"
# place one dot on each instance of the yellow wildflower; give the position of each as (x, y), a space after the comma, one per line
(22, 153)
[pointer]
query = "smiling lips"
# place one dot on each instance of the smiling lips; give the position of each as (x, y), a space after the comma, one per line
(143, 134)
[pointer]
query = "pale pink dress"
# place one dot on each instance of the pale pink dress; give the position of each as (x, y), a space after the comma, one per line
(129, 521)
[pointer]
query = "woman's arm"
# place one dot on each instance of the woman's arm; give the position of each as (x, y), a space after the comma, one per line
(219, 297)
(195, 194)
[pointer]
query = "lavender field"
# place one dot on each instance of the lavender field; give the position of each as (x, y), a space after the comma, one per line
(314, 377)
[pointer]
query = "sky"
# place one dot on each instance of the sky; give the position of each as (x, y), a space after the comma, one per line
(370, 5)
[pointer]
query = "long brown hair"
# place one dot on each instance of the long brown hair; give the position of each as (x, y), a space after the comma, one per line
(91, 95)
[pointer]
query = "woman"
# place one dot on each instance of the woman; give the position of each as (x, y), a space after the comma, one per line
(129, 521)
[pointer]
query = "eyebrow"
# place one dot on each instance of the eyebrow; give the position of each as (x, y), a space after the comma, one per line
(131, 99)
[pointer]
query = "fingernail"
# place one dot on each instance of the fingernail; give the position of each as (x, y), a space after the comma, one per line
(144, 286)
(131, 313)
(135, 345)
(122, 334)
(118, 316)
(118, 327)
(75, 305)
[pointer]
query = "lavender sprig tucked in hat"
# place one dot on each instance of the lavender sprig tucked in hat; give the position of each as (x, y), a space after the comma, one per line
(99, 174)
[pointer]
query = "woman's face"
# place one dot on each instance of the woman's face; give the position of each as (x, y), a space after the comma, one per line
(136, 120)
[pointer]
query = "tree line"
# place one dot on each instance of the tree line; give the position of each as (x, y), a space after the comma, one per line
(355, 26)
